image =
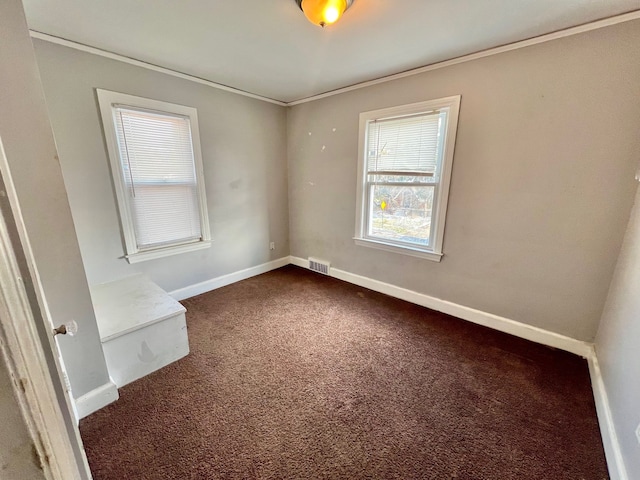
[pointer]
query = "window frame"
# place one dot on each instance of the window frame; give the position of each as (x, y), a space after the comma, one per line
(107, 100)
(441, 194)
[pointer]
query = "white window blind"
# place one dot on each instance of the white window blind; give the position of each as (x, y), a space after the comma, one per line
(156, 155)
(405, 144)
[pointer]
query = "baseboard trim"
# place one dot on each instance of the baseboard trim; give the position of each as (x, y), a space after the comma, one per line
(615, 460)
(224, 280)
(96, 399)
(502, 324)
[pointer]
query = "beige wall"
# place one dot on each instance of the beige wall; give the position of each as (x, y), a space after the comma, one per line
(618, 344)
(542, 179)
(244, 154)
(31, 154)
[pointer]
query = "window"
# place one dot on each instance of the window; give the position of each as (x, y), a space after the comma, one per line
(154, 148)
(404, 169)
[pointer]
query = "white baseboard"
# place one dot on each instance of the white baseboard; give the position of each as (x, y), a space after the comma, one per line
(528, 332)
(615, 461)
(224, 280)
(96, 399)
(496, 322)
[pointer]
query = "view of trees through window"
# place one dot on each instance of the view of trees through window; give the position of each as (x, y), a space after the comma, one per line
(402, 213)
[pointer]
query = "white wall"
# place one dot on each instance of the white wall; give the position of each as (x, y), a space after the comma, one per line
(542, 179)
(30, 150)
(244, 153)
(618, 344)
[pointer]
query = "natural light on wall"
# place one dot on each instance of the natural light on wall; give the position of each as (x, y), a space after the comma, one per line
(324, 12)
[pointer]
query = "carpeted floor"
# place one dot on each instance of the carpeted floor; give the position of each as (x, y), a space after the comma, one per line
(293, 375)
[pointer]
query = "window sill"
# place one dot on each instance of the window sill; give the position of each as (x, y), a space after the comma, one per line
(145, 255)
(414, 252)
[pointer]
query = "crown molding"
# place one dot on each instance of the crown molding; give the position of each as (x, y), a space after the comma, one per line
(149, 66)
(587, 27)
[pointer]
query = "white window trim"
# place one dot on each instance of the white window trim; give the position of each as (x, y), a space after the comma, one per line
(106, 100)
(434, 251)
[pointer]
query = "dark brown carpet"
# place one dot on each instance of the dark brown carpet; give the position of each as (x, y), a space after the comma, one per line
(296, 375)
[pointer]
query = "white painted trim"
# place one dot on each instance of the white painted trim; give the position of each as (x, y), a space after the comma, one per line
(23, 352)
(615, 460)
(502, 324)
(96, 399)
(149, 66)
(144, 255)
(224, 280)
(587, 27)
(413, 252)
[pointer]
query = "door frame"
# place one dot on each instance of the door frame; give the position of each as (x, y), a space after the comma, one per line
(36, 384)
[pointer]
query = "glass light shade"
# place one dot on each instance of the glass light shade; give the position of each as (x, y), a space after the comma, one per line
(323, 12)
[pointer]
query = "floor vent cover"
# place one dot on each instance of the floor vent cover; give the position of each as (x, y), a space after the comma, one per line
(319, 266)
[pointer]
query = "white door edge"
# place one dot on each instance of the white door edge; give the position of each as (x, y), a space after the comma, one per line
(54, 433)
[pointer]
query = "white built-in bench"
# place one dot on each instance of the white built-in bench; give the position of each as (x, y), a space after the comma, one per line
(141, 326)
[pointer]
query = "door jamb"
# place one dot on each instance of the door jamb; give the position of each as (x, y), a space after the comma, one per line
(23, 352)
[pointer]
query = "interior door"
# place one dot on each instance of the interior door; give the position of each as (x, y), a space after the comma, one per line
(30, 348)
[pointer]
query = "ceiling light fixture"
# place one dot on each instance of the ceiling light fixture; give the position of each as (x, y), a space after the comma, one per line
(323, 12)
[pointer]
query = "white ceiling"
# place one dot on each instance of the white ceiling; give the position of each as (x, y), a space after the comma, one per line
(268, 48)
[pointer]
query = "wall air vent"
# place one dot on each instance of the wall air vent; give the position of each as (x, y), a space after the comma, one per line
(319, 266)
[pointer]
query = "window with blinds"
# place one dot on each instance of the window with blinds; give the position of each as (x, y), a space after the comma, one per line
(405, 164)
(158, 174)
